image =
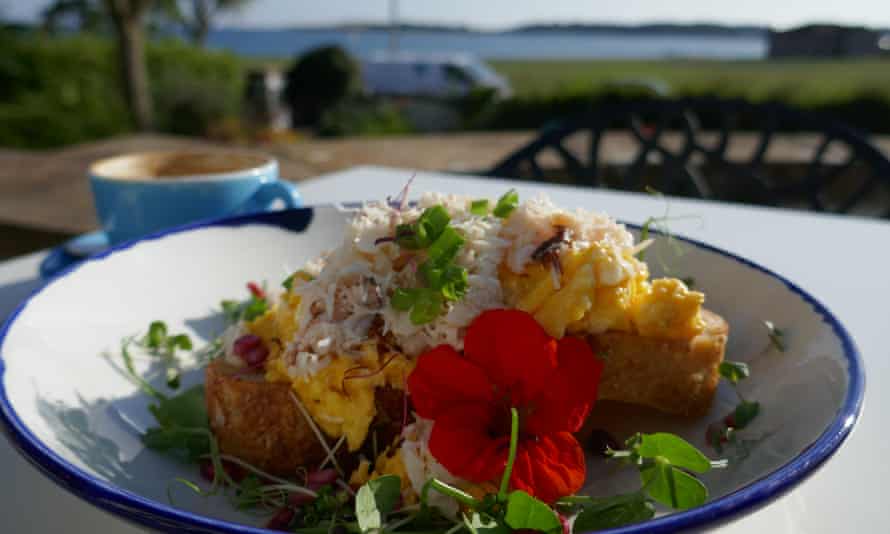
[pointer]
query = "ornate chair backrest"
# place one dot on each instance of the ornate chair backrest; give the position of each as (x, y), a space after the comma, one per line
(713, 149)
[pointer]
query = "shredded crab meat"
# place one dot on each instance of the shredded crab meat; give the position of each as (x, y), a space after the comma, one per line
(352, 283)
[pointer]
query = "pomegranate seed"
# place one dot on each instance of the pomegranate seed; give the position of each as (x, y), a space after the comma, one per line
(317, 479)
(256, 290)
(251, 349)
(256, 356)
(245, 343)
(207, 471)
(729, 420)
(235, 471)
(281, 520)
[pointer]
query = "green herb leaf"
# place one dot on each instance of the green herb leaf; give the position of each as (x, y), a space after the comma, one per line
(255, 308)
(506, 204)
(375, 500)
(673, 487)
(614, 512)
(674, 450)
(423, 232)
(188, 443)
(451, 280)
(157, 334)
(172, 376)
(180, 341)
(445, 247)
(386, 490)
(187, 410)
(744, 413)
(427, 306)
(288, 282)
(479, 207)
(734, 371)
(526, 512)
(231, 310)
(689, 281)
(403, 299)
(454, 282)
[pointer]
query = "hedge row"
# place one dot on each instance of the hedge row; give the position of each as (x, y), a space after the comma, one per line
(57, 91)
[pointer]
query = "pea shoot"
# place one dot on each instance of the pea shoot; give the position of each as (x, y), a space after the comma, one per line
(776, 336)
(724, 432)
(158, 343)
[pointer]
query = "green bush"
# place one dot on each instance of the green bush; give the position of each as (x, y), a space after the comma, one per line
(362, 117)
(55, 92)
(318, 81)
(58, 91)
(867, 110)
(192, 89)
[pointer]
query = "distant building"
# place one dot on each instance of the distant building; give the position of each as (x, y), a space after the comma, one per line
(825, 41)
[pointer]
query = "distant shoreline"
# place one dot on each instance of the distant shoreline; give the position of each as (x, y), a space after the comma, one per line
(691, 29)
(650, 29)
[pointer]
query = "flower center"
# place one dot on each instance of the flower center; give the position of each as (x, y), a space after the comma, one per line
(500, 423)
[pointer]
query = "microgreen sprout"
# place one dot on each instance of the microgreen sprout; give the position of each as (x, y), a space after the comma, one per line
(160, 344)
(724, 431)
(776, 336)
(660, 224)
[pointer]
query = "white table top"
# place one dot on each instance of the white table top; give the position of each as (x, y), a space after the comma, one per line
(843, 261)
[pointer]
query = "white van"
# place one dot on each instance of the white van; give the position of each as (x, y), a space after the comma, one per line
(430, 76)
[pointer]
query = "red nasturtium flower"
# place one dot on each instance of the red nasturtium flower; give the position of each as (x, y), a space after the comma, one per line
(509, 361)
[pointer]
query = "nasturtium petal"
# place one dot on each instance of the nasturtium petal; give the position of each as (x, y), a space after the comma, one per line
(443, 379)
(514, 351)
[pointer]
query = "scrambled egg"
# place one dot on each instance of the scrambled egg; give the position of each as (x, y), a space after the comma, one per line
(388, 462)
(340, 396)
(595, 295)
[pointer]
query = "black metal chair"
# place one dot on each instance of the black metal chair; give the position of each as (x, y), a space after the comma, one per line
(692, 147)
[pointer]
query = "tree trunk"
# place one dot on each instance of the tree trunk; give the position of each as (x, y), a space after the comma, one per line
(129, 26)
(201, 22)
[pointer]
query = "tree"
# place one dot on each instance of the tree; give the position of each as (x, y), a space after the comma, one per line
(203, 11)
(83, 15)
(128, 17)
(319, 80)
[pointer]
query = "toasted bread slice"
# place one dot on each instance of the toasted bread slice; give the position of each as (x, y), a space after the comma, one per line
(257, 421)
(673, 376)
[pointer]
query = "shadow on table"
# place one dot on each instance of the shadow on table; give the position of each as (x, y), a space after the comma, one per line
(11, 295)
(16, 239)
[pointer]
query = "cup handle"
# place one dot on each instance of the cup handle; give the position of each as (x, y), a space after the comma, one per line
(268, 193)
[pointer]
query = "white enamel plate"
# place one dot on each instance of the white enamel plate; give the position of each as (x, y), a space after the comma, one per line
(68, 408)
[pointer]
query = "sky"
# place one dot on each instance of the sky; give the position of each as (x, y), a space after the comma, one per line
(498, 14)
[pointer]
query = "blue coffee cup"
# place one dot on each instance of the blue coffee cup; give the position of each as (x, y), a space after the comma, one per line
(138, 194)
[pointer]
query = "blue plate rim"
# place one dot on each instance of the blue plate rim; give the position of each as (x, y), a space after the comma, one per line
(138, 509)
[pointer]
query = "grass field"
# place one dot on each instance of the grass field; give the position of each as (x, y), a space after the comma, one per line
(793, 81)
